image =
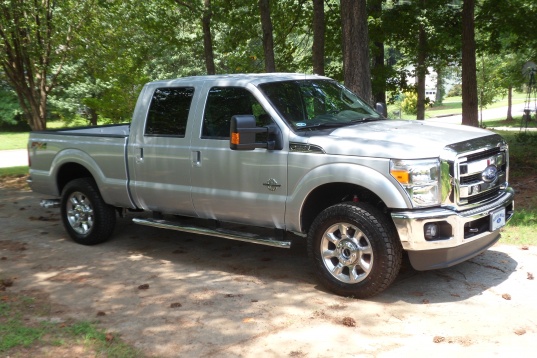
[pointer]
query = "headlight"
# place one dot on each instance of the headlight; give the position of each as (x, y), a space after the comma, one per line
(420, 179)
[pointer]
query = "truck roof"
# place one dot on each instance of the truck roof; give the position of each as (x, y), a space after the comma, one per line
(237, 79)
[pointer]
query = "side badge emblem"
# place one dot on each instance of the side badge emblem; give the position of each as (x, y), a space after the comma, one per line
(272, 184)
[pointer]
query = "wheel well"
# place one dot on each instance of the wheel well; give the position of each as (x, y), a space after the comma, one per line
(331, 194)
(69, 172)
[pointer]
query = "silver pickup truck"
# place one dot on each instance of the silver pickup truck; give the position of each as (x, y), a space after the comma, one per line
(267, 158)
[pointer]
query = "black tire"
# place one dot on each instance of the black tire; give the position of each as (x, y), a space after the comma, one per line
(85, 215)
(354, 249)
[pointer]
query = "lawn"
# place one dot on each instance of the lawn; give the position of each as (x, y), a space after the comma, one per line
(18, 140)
(453, 105)
(11, 140)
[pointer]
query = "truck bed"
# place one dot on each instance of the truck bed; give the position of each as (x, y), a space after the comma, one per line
(100, 150)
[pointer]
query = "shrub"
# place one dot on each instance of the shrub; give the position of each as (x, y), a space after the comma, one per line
(410, 103)
(455, 91)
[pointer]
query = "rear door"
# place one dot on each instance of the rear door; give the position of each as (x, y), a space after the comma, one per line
(160, 172)
(239, 186)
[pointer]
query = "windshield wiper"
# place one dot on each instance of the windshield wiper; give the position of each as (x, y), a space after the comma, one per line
(366, 119)
(322, 126)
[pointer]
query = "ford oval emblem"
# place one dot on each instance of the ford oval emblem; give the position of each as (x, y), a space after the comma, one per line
(489, 174)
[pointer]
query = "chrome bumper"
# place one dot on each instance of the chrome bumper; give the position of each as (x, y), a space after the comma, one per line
(464, 234)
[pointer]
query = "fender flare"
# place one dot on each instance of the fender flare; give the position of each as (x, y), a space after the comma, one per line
(350, 173)
(77, 156)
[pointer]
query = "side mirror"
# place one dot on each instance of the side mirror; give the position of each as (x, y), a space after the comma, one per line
(243, 130)
(381, 109)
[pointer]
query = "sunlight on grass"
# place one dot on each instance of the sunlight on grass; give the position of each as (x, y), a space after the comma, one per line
(10, 140)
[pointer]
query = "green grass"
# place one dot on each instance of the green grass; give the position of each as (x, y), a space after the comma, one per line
(453, 105)
(25, 323)
(13, 171)
(12, 140)
(515, 123)
(18, 140)
(523, 172)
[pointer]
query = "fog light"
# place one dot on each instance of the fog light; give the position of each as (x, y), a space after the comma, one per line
(431, 231)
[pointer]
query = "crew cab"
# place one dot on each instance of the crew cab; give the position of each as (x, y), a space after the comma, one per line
(265, 158)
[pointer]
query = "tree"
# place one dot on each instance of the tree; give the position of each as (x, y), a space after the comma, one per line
(356, 71)
(505, 33)
(379, 71)
(469, 77)
(268, 40)
(35, 40)
(431, 39)
(318, 37)
(206, 15)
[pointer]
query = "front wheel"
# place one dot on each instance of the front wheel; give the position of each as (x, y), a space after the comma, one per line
(354, 249)
(85, 215)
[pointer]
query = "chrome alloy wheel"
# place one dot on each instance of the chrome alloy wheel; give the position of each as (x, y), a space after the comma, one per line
(346, 253)
(80, 213)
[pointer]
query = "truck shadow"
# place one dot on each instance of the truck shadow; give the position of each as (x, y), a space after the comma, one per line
(468, 279)
(457, 283)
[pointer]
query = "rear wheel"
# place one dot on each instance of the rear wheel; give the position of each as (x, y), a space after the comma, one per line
(85, 215)
(354, 249)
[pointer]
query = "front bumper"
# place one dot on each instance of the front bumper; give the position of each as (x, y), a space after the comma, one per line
(463, 234)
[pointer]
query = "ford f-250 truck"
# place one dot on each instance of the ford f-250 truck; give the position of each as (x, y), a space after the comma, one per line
(299, 155)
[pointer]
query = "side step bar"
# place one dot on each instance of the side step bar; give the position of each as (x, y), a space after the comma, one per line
(219, 232)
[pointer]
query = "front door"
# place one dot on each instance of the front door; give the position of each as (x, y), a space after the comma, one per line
(240, 186)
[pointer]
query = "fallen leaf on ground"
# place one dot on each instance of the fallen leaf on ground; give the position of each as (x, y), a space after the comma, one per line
(530, 276)
(349, 322)
(506, 296)
(520, 331)
(438, 339)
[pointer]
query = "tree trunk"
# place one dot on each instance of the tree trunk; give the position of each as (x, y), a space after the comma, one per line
(207, 38)
(421, 72)
(356, 71)
(439, 97)
(318, 37)
(378, 69)
(509, 104)
(268, 40)
(469, 77)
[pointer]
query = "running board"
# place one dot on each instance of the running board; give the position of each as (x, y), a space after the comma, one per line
(219, 232)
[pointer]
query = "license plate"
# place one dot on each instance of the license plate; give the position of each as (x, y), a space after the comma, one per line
(497, 219)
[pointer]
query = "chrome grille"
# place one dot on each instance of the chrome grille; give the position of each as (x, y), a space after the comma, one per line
(470, 168)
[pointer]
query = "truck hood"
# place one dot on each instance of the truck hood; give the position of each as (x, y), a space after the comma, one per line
(395, 139)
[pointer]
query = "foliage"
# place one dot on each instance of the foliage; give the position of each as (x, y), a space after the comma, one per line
(102, 52)
(10, 110)
(35, 41)
(455, 91)
(409, 105)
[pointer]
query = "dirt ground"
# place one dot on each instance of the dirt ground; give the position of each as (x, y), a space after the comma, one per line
(181, 295)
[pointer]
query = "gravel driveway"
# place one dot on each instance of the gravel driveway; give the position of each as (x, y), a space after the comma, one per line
(173, 294)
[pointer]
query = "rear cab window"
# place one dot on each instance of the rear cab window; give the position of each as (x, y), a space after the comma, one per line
(168, 112)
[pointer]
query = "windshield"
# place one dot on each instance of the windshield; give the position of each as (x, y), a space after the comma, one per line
(311, 104)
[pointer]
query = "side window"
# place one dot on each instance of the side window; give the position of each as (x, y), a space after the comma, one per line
(225, 102)
(168, 112)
